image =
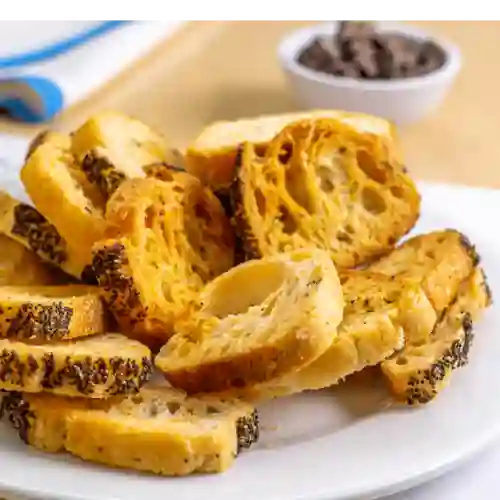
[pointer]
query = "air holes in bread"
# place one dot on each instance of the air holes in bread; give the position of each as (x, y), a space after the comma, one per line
(368, 164)
(373, 201)
(326, 182)
(261, 201)
(286, 153)
(397, 192)
(289, 224)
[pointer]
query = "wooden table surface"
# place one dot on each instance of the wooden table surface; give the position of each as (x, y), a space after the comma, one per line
(224, 70)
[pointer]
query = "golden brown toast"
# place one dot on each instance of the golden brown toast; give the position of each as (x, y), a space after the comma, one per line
(420, 372)
(159, 430)
(95, 367)
(165, 240)
(20, 266)
(322, 183)
(27, 226)
(50, 313)
(259, 321)
(438, 261)
(211, 156)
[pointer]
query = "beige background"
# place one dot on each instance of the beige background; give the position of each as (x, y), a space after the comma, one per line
(226, 70)
(215, 71)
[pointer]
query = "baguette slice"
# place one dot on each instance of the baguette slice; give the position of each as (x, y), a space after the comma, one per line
(261, 320)
(159, 430)
(438, 261)
(166, 239)
(30, 228)
(211, 156)
(50, 313)
(420, 372)
(62, 194)
(94, 367)
(20, 266)
(322, 183)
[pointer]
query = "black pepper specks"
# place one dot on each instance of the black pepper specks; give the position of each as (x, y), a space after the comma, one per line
(470, 249)
(18, 413)
(423, 387)
(41, 236)
(101, 172)
(41, 322)
(122, 297)
(115, 376)
(247, 431)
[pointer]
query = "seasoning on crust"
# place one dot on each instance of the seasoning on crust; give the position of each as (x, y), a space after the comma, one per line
(322, 183)
(50, 313)
(261, 320)
(160, 430)
(165, 240)
(420, 372)
(96, 367)
(27, 226)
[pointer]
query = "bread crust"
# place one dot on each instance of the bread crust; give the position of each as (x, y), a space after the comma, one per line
(94, 367)
(51, 313)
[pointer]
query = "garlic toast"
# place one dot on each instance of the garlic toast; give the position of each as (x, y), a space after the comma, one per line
(322, 183)
(50, 313)
(261, 320)
(211, 156)
(159, 430)
(420, 372)
(164, 241)
(94, 367)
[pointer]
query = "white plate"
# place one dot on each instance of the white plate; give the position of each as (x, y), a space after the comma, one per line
(334, 444)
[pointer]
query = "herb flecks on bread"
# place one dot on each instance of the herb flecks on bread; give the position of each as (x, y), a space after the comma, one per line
(260, 320)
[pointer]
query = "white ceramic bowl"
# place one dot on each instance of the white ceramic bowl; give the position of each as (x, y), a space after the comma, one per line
(401, 101)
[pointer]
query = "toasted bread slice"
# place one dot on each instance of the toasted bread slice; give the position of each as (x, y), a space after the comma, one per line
(30, 228)
(362, 340)
(94, 367)
(380, 314)
(438, 261)
(261, 320)
(20, 266)
(159, 430)
(166, 239)
(420, 372)
(322, 183)
(62, 194)
(50, 313)
(211, 156)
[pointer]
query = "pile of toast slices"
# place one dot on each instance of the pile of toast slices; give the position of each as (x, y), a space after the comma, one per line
(263, 261)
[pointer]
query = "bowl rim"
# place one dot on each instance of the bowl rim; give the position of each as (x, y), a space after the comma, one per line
(293, 42)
